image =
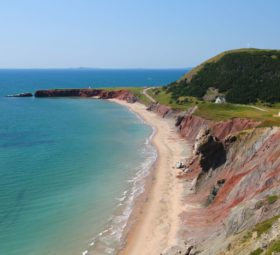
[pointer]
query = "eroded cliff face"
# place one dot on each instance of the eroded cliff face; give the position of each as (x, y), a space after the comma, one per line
(190, 125)
(229, 182)
(99, 93)
(231, 176)
(161, 110)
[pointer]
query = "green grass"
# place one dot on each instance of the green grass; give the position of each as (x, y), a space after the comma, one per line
(264, 226)
(137, 91)
(273, 247)
(160, 96)
(210, 111)
(219, 112)
(260, 228)
(272, 199)
(247, 237)
(257, 252)
(165, 98)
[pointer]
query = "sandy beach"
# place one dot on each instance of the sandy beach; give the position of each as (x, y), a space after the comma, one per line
(157, 224)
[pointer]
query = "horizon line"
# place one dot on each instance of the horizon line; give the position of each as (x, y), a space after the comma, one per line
(93, 68)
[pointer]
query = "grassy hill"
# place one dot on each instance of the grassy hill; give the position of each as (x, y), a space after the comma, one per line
(243, 76)
(268, 115)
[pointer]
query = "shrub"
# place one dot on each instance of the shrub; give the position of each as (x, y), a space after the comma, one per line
(257, 252)
(272, 199)
(273, 247)
(264, 226)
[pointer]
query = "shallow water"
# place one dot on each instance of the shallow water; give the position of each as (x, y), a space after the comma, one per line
(69, 168)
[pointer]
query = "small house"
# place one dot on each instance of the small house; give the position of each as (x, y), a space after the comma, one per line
(220, 100)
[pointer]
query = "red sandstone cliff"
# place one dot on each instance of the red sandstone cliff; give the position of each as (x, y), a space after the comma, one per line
(234, 169)
(190, 125)
(99, 93)
(226, 192)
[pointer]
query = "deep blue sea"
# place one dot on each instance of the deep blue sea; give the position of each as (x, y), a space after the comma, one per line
(70, 168)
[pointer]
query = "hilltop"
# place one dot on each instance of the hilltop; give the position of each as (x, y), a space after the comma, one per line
(242, 76)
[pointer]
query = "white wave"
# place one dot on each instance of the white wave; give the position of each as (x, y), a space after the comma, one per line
(112, 237)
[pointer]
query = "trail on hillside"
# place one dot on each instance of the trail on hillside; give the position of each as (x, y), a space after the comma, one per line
(147, 95)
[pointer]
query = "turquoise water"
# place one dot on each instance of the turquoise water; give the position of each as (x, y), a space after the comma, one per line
(69, 168)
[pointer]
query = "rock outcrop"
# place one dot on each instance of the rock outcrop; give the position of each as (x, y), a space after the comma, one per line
(21, 95)
(231, 176)
(162, 110)
(234, 169)
(99, 93)
(190, 126)
(210, 150)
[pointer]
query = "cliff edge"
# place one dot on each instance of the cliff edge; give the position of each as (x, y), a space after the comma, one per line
(232, 206)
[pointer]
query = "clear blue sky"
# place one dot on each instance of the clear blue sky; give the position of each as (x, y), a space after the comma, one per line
(131, 33)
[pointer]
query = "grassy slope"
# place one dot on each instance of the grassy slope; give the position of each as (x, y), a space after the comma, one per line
(210, 111)
(188, 76)
(246, 238)
(219, 112)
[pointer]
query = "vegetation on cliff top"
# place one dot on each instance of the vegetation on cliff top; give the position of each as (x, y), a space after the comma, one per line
(264, 226)
(257, 252)
(243, 76)
(218, 112)
(137, 91)
(273, 248)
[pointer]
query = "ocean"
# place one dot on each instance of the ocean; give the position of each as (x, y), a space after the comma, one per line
(70, 169)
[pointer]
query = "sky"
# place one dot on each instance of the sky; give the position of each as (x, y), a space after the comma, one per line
(131, 33)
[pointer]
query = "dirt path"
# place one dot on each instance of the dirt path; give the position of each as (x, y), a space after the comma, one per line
(147, 95)
(258, 108)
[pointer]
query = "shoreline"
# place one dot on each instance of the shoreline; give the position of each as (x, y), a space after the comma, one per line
(155, 221)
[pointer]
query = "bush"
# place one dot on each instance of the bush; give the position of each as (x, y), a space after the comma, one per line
(264, 226)
(257, 252)
(273, 247)
(272, 199)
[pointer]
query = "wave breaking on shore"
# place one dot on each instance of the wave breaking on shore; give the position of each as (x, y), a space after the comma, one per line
(112, 238)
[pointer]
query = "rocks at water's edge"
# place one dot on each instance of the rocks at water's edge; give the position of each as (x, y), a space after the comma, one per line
(21, 95)
(122, 94)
